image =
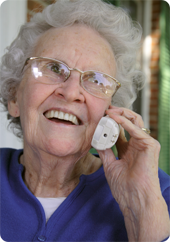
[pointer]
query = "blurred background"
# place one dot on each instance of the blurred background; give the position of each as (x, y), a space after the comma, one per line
(153, 102)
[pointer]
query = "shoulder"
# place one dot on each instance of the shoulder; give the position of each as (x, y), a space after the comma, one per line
(164, 179)
(6, 152)
(8, 155)
(165, 186)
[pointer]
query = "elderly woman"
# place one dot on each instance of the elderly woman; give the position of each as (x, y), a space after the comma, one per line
(58, 79)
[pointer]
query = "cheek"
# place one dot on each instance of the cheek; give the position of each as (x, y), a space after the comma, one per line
(33, 94)
(98, 108)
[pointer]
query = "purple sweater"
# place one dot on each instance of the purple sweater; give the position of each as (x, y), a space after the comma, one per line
(89, 213)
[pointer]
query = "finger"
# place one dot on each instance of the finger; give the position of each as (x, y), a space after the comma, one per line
(111, 166)
(122, 137)
(122, 133)
(133, 129)
(129, 114)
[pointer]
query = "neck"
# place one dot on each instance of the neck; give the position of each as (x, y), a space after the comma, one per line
(49, 176)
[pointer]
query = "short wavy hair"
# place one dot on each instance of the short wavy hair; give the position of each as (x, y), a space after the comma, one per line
(113, 23)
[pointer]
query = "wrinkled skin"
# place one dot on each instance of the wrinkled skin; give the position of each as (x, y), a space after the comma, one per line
(56, 154)
(133, 179)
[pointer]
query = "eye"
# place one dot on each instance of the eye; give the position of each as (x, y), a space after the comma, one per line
(91, 78)
(95, 81)
(54, 67)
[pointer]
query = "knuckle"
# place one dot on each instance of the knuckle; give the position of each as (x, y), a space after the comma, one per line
(156, 144)
(139, 117)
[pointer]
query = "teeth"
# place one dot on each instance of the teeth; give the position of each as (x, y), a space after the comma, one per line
(55, 114)
(61, 115)
(52, 113)
(75, 121)
(70, 117)
(66, 116)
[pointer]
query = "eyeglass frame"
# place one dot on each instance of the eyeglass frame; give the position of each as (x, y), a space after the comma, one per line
(75, 69)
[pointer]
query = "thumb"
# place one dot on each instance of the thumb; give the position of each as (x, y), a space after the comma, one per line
(121, 143)
(107, 156)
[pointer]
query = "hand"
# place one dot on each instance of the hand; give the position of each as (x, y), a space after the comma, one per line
(133, 179)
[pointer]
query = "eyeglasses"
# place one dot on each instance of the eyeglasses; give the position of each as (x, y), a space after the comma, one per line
(52, 71)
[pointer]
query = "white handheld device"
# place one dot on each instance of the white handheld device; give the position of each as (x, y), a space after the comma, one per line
(106, 134)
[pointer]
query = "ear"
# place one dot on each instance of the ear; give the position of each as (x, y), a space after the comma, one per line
(13, 108)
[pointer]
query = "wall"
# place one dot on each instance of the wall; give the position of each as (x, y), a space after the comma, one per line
(37, 6)
(154, 68)
(12, 15)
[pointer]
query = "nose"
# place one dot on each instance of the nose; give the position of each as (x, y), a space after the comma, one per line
(71, 90)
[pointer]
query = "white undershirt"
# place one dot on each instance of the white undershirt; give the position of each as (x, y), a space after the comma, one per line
(50, 205)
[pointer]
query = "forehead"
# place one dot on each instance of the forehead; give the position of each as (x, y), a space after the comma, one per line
(77, 45)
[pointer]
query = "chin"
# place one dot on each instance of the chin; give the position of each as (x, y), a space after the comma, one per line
(62, 148)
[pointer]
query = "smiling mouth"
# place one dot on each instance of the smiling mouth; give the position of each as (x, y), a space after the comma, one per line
(58, 116)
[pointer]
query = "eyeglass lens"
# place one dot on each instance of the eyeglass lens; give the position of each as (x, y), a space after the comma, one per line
(97, 84)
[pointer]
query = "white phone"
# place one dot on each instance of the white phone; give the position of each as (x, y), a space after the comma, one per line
(106, 134)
